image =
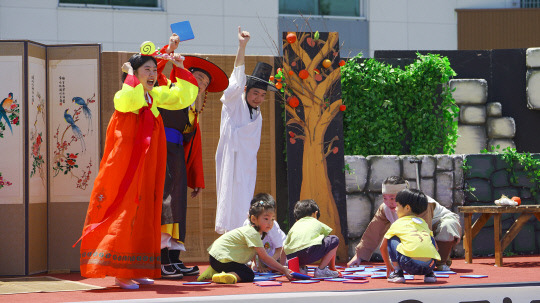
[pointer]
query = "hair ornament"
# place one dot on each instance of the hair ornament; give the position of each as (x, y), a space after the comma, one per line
(149, 49)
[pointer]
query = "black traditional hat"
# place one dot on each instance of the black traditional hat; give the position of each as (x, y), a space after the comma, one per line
(259, 77)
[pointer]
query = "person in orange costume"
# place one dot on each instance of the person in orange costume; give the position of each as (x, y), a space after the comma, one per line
(184, 158)
(121, 234)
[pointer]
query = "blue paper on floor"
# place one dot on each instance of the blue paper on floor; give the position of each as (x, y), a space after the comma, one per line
(366, 274)
(305, 281)
(264, 273)
(337, 280)
(409, 277)
(378, 276)
(355, 277)
(356, 281)
(263, 279)
(473, 276)
(195, 283)
(445, 272)
(374, 269)
(267, 283)
(353, 269)
(441, 275)
(300, 276)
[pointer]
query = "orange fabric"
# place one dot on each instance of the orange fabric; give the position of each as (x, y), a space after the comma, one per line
(128, 244)
(193, 158)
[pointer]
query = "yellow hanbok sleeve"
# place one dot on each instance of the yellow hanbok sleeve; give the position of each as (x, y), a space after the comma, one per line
(131, 97)
(181, 95)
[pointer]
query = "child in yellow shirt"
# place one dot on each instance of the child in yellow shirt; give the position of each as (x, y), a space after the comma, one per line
(409, 242)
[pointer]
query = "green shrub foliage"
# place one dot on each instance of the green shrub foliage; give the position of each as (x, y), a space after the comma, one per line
(393, 111)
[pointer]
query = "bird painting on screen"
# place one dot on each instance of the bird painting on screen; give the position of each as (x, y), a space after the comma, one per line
(87, 113)
(76, 130)
(4, 106)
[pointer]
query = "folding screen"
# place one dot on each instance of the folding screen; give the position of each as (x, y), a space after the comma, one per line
(73, 90)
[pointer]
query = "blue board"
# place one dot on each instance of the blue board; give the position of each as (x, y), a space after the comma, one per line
(263, 279)
(196, 283)
(300, 276)
(337, 280)
(305, 281)
(183, 30)
(473, 276)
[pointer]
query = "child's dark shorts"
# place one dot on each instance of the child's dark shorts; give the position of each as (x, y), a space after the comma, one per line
(314, 253)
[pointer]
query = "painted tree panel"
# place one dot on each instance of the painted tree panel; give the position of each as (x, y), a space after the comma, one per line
(311, 86)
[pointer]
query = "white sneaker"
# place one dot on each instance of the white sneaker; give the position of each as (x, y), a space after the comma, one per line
(126, 283)
(304, 270)
(144, 281)
(325, 273)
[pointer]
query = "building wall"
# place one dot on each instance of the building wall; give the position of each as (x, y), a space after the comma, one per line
(419, 24)
(214, 24)
(387, 24)
(353, 32)
(498, 28)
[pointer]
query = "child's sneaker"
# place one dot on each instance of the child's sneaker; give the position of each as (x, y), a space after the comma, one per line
(224, 278)
(396, 277)
(325, 273)
(304, 270)
(430, 278)
(442, 267)
(207, 274)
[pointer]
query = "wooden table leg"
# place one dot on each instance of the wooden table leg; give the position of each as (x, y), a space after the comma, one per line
(467, 238)
(514, 229)
(497, 239)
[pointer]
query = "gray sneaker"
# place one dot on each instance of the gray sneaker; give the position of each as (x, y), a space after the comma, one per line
(430, 278)
(325, 273)
(304, 270)
(396, 277)
(444, 267)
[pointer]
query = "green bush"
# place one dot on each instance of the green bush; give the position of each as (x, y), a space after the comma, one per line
(393, 111)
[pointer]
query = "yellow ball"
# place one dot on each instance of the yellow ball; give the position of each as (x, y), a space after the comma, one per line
(147, 48)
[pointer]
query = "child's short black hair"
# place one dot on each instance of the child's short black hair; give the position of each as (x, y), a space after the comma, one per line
(304, 208)
(259, 204)
(415, 198)
(263, 197)
(394, 180)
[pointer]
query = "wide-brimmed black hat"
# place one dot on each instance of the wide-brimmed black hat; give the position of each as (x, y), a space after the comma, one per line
(259, 77)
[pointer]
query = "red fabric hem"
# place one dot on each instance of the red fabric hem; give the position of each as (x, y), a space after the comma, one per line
(132, 81)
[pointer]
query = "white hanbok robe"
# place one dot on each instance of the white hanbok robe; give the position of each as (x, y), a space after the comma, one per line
(236, 155)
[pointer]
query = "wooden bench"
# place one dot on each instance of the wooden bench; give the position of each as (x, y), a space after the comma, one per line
(471, 230)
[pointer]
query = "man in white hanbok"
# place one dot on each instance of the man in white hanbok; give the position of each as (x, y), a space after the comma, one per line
(239, 139)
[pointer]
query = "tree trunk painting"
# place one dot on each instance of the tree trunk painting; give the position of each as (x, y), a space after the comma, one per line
(311, 83)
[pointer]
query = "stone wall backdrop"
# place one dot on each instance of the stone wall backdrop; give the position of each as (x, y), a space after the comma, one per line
(480, 125)
(449, 179)
(441, 177)
(488, 175)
